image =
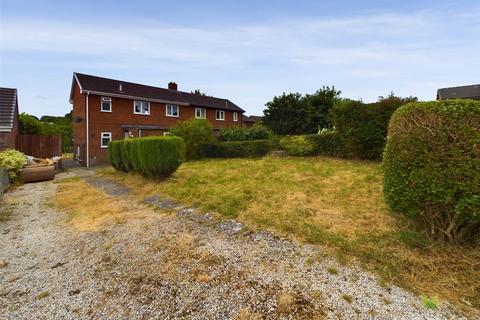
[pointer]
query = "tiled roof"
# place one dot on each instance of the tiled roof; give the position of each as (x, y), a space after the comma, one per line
(8, 105)
(463, 92)
(99, 85)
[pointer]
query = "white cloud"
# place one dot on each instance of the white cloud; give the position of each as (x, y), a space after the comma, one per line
(366, 55)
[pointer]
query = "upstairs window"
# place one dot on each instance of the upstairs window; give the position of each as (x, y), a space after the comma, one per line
(235, 116)
(200, 113)
(105, 138)
(106, 105)
(172, 110)
(220, 115)
(141, 107)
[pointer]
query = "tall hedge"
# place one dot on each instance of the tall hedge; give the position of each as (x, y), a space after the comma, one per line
(327, 143)
(159, 157)
(432, 167)
(115, 154)
(155, 157)
(363, 127)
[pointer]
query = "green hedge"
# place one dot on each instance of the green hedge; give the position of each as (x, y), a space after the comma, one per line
(363, 127)
(327, 143)
(238, 149)
(195, 133)
(155, 157)
(432, 167)
(115, 154)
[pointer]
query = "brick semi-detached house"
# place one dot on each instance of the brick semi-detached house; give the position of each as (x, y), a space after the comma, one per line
(106, 109)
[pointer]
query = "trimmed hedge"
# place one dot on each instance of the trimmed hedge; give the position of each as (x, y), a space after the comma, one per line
(363, 127)
(195, 133)
(327, 143)
(114, 154)
(238, 149)
(154, 157)
(432, 167)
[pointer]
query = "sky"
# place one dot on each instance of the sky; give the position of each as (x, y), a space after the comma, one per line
(245, 51)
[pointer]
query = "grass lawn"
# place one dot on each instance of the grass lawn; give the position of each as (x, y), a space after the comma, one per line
(333, 202)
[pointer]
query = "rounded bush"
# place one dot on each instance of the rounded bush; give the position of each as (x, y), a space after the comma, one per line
(298, 146)
(196, 133)
(159, 157)
(432, 167)
(13, 161)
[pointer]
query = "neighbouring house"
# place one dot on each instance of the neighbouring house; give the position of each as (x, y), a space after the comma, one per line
(8, 118)
(462, 92)
(249, 121)
(107, 109)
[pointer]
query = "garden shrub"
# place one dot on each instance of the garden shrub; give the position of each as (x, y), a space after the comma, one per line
(195, 133)
(256, 132)
(13, 161)
(159, 157)
(125, 154)
(297, 146)
(238, 149)
(432, 167)
(363, 127)
(114, 154)
(328, 143)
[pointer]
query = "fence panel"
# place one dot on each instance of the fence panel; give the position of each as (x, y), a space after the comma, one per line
(39, 146)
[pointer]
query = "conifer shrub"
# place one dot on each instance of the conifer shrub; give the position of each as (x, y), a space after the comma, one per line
(114, 154)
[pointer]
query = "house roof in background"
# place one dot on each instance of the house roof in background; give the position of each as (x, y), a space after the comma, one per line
(247, 119)
(461, 92)
(99, 85)
(8, 106)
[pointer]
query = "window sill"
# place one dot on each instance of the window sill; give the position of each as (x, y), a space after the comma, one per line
(103, 147)
(105, 110)
(141, 114)
(173, 116)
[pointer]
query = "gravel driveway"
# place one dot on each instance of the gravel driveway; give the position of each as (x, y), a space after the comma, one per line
(175, 263)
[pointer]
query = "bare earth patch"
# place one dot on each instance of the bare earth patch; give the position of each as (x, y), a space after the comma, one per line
(74, 251)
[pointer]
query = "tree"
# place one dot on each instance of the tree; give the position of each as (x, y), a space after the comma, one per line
(296, 114)
(196, 133)
(318, 106)
(197, 91)
(285, 114)
(29, 124)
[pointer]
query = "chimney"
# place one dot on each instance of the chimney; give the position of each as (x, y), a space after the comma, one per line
(172, 86)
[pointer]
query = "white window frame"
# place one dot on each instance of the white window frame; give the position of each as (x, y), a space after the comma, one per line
(204, 113)
(235, 116)
(220, 112)
(170, 106)
(167, 133)
(141, 107)
(105, 135)
(105, 99)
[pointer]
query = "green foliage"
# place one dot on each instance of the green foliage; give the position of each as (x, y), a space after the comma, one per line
(196, 133)
(432, 167)
(296, 114)
(115, 154)
(430, 302)
(13, 161)
(297, 146)
(363, 127)
(29, 124)
(159, 157)
(154, 157)
(328, 143)
(256, 132)
(238, 149)
(233, 134)
(49, 125)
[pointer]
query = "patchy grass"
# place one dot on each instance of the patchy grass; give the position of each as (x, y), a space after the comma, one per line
(87, 208)
(333, 202)
(6, 210)
(42, 295)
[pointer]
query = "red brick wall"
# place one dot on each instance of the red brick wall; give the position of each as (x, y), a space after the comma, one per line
(122, 114)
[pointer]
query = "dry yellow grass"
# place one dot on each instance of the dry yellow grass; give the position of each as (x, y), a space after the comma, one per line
(337, 203)
(87, 208)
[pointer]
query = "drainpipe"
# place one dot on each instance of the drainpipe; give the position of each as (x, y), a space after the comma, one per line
(87, 132)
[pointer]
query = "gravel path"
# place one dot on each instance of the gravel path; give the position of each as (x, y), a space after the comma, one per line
(188, 265)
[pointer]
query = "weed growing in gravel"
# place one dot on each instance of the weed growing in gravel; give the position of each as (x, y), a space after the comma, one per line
(332, 270)
(347, 298)
(6, 211)
(42, 295)
(3, 264)
(430, 302)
